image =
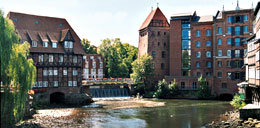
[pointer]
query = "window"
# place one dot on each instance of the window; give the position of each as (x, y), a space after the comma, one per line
(228, 64)
(208, 54)
(54, 45)
(69, 83)
(55, 72)
(74, 83)
(50, 58)
(237, 19)
(40, 58)
(229, 19)
(182, 84)
(158, 43)
(100, 71)
(50, 72)
(34, 43)
(208, 74)
(219, 52)
(100, 64)
(198, 33)
(162, 66)
(164, 44)
(66, 44)
(94, 64)
(45, 83)
(237, 41)
(71, 44)
(228, 30)
(208, 43)
(60, 58)
(219, 74)
(197, 64)
(65, 72)
(229, 53)
(237, 30)
(198, 54)
(185, 34)
(197, 43)
(45, 44)
(208, 32)
(219, 30)
(229, 41)
(198, 74)
(55, 84)
(163, 54)
(153, 54)
(164, 33)
(237, 53)
(93, 71)
(91, 57)
(245, 29)
(75, 72)
(39, 83)
(228, 74)
(245, 17)
(75, 59)
(237, 75)
(237, 64)
(209, 64)
(219, 41)
(194, 85)
(224, 85)
(45, 72)
(219, 63)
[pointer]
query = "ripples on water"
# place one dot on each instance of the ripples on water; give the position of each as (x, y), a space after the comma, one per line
(175, 114)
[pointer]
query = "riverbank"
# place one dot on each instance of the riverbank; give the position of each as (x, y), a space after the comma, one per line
(231, 120)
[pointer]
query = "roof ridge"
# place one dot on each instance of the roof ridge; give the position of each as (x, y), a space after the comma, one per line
(37, 15)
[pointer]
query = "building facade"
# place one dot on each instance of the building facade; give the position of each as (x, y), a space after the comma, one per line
(154, 41)
(251, 86)
(208, 46)
(55, 49)
(93, 67)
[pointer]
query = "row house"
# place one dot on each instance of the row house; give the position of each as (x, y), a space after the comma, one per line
(55, 49)
(93, 67)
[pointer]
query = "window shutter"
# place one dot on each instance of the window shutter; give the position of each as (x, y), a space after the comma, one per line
(241, 63)
(232, 76)
(232, 30)
(232, 19)
(232, 64)
(242, 18)
(241, 30)
(241, 53)
(232, 42)
(241, 41)
(232, 53)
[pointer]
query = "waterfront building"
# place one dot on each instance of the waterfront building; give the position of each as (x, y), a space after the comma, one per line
(208, 46)
(93, 67)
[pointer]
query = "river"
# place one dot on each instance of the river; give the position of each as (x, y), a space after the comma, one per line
(175, 113)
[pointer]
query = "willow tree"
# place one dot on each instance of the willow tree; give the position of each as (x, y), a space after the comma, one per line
(17, 73)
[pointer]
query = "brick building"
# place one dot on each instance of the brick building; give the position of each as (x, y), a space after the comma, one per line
(154, 41)
(251, 87)
(55, 49)
(211, 46)
(93, 66)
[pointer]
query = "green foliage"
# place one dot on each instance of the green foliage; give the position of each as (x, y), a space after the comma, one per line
(173, 88)
(140, 88)
(162, 90)
(87, 47)
(17, 74)
(142, 70)
(237, 102)
(118, 57)
(204, 91)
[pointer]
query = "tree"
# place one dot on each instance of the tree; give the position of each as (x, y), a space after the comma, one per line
(162, 90)
(17, 73)
(142, 70)
(237, 102)
(173, 88)
(203, 88)
(89, 49)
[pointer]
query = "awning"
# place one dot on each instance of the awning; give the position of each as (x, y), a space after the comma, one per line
(243, 84)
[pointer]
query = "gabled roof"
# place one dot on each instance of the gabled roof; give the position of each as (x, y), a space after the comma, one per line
(44, 28)
(154, 15)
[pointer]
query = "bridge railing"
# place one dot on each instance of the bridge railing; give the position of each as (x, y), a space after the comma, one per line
(108, 80)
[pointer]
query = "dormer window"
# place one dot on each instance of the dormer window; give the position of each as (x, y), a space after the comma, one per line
(71, 44)
(68, 44)
(45, 44)
(54, 44)
(34, 44)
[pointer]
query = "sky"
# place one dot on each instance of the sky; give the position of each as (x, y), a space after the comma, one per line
(101, 19)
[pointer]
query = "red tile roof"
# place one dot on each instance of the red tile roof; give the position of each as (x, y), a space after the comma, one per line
(43, 28)
(154, 15)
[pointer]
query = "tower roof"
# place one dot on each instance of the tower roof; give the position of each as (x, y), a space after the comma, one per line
(154, 15)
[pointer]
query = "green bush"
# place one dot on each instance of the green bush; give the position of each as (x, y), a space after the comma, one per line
(173, 88)
(237, 102)
(162, 90)
(204, 91)
(139, 88)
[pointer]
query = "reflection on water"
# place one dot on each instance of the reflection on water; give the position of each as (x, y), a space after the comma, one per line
(175, 114)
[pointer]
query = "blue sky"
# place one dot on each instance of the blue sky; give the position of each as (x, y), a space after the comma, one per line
(100, 19)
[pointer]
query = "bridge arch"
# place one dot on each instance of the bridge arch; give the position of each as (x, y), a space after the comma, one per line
(57, 97)
(225, 97)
